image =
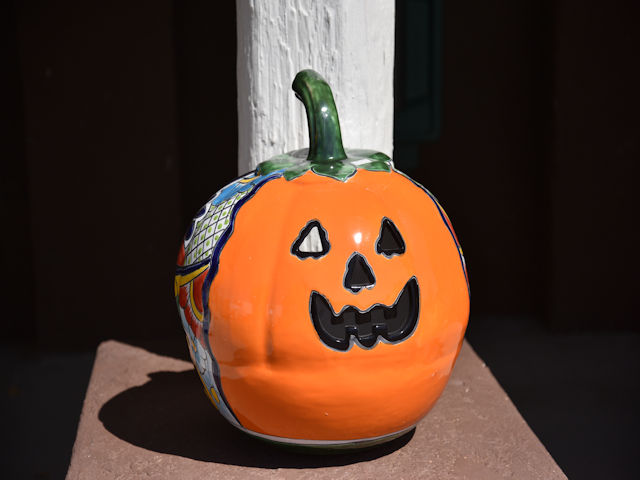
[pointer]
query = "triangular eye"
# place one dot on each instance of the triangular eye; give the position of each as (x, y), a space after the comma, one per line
(390, 241)
(311, 242)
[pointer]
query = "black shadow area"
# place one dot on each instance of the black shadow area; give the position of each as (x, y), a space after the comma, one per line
(171, 414)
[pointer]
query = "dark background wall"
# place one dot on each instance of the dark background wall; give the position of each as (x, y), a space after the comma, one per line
(595, 168)
(489, 165)
(538, 157)
(120, 121)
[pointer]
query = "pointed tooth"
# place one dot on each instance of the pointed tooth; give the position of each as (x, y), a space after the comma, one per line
(367, 341)
(349, 316)
(377, 314)
(364, 329)
(380, 329)
(363, 317)
(390, 312)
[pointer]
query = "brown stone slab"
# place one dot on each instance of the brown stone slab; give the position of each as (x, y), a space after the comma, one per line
(146, 416)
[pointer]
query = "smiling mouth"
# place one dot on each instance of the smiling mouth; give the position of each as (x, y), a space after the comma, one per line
(392, 323)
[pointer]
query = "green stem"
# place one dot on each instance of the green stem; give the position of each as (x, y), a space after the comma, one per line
(325, 139)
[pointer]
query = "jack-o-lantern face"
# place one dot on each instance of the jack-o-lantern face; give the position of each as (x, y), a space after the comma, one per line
(340, 329)
(320, 309)
(324, 299)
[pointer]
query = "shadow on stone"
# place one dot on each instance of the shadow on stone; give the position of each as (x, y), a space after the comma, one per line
(174, 346)
(170, 414)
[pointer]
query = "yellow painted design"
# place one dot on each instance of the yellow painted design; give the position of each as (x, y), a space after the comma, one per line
(191, 344)
(215, 395)
(210, 397)
(247, 180)
(181, 280)
(211, 393)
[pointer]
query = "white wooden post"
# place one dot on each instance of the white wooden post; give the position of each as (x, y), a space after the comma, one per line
(349, 42)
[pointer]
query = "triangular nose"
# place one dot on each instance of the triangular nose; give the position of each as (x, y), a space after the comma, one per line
(359, 274)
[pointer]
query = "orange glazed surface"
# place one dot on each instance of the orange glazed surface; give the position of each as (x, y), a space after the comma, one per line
(279, 378)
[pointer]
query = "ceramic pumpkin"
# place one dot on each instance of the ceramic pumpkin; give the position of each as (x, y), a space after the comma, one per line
(324, 296)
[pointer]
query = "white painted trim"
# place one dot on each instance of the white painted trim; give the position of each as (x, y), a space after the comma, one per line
(330, 443)
(349, 42)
